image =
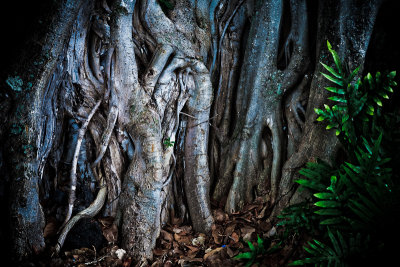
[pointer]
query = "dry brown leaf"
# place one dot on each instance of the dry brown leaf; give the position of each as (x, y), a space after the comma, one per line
(166, 245)
(212, 252)
(247, 229)
(166, 236)
(250, 208)
(262, 213)
(177, 230)
(159, 252)
(51, 228)
(231, 253)
(127, 262)
(235, 237)
(229, 230)
(186, 240)
(188, 259)
(106, 221)
(176, 221)
(246, 232)
(220, 216)
(216, 231)
(265, 226)
(111, 233)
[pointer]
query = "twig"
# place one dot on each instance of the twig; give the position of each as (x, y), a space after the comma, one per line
(188, 115)
(205, 121)
(96, 261)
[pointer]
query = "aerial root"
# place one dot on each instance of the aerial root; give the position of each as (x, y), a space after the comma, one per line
(89, 212)
(113, 113)
(81, 135)
(277, 156)
(105, 139)
(95, 58)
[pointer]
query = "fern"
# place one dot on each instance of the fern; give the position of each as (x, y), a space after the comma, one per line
(257, 251)
(340, 251)
(359, 195)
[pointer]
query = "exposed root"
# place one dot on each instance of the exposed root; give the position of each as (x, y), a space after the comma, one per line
(277, 158)
(94, 58)
(89, 212)
(113, 113)
(105, 139)
(197, 177)
(82, 132)
(157, 64)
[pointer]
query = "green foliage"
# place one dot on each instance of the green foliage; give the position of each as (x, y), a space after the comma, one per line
(299, 218)
(357, 199)
(257, 251)
(358, 108)
(168, 142)
(338, 253)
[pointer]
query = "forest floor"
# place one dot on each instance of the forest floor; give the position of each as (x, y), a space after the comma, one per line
(179, 245)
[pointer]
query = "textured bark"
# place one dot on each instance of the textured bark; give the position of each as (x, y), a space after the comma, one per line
(142, 112)
(38, 117)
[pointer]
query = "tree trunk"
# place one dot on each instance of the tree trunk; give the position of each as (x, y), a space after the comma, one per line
(142, 108)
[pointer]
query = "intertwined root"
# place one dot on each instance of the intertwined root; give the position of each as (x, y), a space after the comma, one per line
(147, 110)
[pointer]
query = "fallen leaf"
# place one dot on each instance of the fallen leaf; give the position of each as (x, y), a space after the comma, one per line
(229, 230)
(166, 236)
(127, 262)
(177, 230)
(231, 253)
(186, 240)
(235, 237)
(246, 232)
(220, 216)
(106, 221)
(111, 233)
(265, 226)
(212, 252)
(217, 233)
(250, 208)
(51, 228)
(262, 213)
(159, 252)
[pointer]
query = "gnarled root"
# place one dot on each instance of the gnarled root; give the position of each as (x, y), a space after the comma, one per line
(197, 177)
(89, 212)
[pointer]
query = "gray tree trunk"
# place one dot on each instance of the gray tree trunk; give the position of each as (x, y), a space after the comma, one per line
(161, 109)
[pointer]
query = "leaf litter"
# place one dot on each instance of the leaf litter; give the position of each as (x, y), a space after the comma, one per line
(179, 245)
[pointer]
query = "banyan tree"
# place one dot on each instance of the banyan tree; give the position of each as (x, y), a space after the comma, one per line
(143, 110)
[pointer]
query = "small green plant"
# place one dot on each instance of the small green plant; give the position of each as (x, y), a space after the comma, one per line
(168, 142)
(257, 251)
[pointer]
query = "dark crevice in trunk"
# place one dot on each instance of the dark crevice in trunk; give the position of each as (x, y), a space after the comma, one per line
(266, 151)
(234, 90)
(285, 47)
